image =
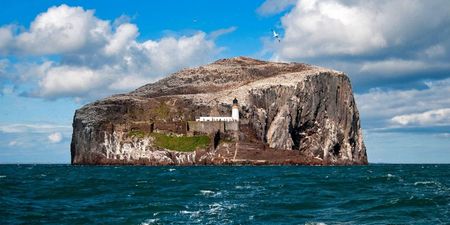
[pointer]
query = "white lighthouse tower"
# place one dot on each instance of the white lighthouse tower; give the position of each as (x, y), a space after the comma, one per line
(235, 110)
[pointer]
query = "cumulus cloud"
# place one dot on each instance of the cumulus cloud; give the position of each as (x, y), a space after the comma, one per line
(63, 29)
(336, 27)
(98, 57)
(125, 33)
(55, 137)
(384, 108)
(329, 28)
(430, 118)
(69, 81)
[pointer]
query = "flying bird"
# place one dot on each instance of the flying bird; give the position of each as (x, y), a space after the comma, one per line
(275, 35)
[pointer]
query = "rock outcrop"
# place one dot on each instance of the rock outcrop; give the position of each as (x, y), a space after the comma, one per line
(290, 113)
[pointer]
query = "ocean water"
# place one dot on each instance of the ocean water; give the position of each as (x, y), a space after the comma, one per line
(374, 194)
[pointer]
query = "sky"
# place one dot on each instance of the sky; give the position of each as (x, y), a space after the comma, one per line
(56, 56)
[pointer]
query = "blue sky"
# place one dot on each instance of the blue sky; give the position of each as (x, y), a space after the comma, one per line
(56, 56)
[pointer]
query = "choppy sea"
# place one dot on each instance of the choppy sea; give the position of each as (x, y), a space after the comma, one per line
(374, 194)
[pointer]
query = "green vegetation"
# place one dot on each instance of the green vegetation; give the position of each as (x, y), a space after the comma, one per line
(182, 143)
(172, 142)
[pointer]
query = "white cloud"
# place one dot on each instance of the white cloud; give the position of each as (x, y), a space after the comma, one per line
(99, 57)
(170, 53)
(125, 34)
(63, 29)
(68, 81)
(381, 106)
(335, 27)
(315, 28)
(428, 118)
(33, 128)
(55, 137)
(6, 37)
(397, 66)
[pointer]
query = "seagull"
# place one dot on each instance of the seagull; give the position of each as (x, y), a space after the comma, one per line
(275, 35)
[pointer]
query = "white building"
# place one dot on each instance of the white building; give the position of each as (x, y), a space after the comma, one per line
(234, 115)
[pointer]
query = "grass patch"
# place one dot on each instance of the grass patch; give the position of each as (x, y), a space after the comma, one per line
(182, 144)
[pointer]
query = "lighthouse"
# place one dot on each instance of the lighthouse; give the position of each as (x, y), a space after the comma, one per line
(235, 110)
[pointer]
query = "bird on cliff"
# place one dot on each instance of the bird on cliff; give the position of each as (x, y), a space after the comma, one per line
(275, 35)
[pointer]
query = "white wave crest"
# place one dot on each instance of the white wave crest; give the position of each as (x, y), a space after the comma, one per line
(425, 183)
(209, 193)
(149, 221)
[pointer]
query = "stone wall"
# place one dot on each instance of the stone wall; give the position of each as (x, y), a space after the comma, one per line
(170, 127)
(232, 126)
(141, 126)
(211, 127)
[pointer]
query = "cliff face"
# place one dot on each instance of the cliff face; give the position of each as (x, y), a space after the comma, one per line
(290, 113)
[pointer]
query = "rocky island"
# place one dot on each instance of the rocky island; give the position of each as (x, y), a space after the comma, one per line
(233, 111)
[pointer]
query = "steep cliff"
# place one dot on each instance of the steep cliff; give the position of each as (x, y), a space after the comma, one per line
(290, 113)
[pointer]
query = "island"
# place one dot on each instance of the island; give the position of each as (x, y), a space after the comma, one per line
(236, 111)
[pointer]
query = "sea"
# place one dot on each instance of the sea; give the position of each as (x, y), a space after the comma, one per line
(373, 194)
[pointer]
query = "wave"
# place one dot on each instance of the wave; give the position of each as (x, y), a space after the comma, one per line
(209, 193)
(150, 222)
(426, 183)
(206, 192)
